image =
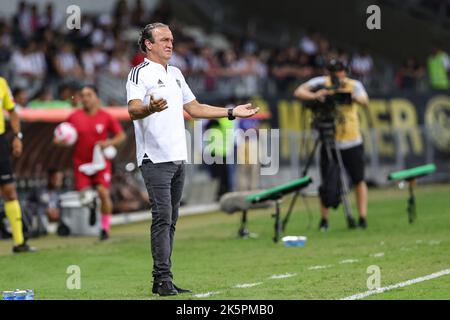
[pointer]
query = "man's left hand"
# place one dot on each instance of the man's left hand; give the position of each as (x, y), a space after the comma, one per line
(245, 110)
(105, 143)
(17, 147)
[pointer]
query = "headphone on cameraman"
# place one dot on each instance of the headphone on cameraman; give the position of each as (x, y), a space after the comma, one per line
(335, 65)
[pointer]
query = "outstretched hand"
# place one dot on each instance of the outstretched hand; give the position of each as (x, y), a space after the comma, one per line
(156, 105)
(245, 110)
(321, 94)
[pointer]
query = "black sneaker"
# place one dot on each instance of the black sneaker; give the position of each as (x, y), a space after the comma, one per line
(323, 226)
(164, 288)
(24, 247)
(351, 223)
(362, 223)
(180, 290)
(104, 235)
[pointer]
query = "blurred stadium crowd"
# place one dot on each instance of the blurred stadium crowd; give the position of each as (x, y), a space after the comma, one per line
(44, 61)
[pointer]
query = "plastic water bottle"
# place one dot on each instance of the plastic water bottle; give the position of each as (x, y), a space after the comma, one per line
(20, 295)
(30, 295)
(294, 241)
(8, 295)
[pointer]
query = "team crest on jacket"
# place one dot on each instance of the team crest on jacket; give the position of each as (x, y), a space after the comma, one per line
(161, 84)
(99, 127)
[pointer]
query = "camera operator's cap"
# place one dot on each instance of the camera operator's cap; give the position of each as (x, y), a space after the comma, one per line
(336, 65)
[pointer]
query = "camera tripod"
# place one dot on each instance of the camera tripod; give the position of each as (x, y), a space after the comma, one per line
(326, 137)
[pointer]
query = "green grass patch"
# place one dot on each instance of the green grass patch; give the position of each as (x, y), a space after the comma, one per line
(208, 256)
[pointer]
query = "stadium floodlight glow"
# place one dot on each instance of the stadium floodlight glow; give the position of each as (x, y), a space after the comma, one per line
(411, 176)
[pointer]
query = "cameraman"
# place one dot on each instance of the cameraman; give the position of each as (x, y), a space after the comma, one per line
(348, 137)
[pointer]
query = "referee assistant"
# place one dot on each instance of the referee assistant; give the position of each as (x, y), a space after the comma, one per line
(157, 95)
(7, 185)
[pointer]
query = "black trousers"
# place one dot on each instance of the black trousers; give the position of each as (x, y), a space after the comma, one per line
(353, 161)
(164, 182)
(6, 174)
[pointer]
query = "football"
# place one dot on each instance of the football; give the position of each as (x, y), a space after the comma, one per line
(66, 133)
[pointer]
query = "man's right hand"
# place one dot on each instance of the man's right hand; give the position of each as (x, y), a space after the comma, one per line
(156, 105)
(321, 94)
(60, 143)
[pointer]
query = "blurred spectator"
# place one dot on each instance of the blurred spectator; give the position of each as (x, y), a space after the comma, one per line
(102, 36)
(409, 76)
(308, 45)
(127, 194)
(20, 98)
(93, 59)
(137, 58)
(22, 21)
(361, 65)
(219, 147)
(163, 13)
(43, 96)
(66, 63)
(44, 203)
(249, 44)
(179, 57)
(438, 68)
(285, 69)
(34, 20)
(138, 14)
(5, 48)
(67, 93)
(207, 65)
(51, 19)
(45, 99)
(251, 71)
(121, 14)
(321, 57)
(76, 98)
(306, 69)
(119, 65)
(29, 66)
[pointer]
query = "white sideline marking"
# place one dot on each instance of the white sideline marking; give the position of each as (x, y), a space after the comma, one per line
(319, 267)
(283, 276)
(349, 261)
(434, 242)
(398, 285)
(378, 255)
(247, 285)
(205, 295)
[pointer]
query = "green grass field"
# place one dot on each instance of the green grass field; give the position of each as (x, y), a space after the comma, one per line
(208, 257)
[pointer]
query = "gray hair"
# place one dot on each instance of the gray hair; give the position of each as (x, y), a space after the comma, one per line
(146, 34)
